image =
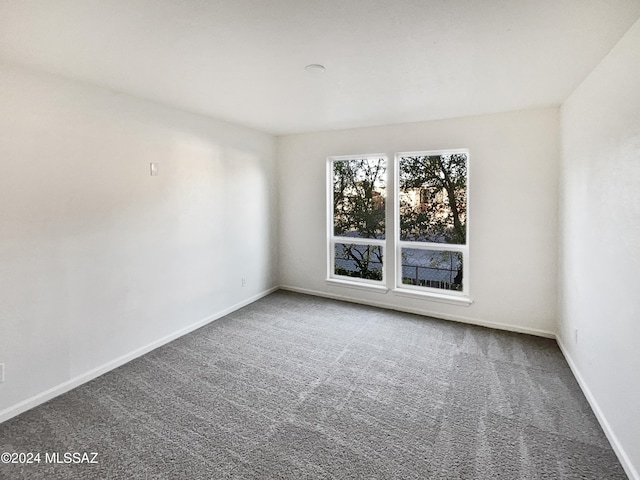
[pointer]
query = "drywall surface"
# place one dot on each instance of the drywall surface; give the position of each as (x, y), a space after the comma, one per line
(600, 239)
(512, 222)
(99, 258)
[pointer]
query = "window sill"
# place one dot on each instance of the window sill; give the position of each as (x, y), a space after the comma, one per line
(451, 299)
(358, 285)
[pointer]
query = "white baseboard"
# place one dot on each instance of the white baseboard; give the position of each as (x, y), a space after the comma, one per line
(64, 387)
(427, 313)
(630, 470)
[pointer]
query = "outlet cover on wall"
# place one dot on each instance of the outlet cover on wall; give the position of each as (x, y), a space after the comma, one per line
(153, 168)
(1, 372)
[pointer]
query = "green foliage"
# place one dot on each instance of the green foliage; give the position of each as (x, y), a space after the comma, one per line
(359, 211)
(359, 198)
(373, 274)
(367, 260)
(433, 204)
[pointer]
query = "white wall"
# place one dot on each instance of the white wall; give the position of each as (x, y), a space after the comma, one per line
(513, 212)
(97, 258)
(600, 242)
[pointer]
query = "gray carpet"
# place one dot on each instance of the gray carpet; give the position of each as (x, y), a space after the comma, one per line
(299, 387)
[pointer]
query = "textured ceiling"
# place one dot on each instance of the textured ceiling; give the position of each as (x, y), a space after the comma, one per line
(386, 61)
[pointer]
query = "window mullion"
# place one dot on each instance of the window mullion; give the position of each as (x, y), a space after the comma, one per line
(360, 241)
(433, 246)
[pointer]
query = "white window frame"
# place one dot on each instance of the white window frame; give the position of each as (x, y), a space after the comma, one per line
(449, 296)
(332, 277)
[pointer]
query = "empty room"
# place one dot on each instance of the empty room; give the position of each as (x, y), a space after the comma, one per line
(320, 239)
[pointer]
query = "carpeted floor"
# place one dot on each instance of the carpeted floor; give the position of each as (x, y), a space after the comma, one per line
(299, 387)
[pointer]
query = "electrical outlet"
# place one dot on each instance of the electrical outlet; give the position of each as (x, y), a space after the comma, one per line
(575, 335)
(1, 372)
(244, 282)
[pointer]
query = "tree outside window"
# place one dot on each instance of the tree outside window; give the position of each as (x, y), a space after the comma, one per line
(432, 211)
(359, 200)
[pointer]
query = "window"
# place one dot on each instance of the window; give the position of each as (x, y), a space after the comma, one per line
(429, 241)
(357, 198)
(431, 214)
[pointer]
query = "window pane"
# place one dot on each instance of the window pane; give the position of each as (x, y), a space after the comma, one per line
(361, 261)
(359, 192)
(432, 268)
(433, 198)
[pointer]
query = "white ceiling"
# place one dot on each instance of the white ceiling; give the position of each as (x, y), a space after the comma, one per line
(386, 61)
